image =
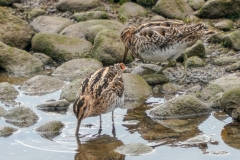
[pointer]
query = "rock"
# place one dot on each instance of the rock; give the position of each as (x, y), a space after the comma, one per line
(46, 60)
(18, 61)
(41, 84)
(50, 24)
(77, 5)
(216, 38)
(215, 101)
(145, 69)
(134, 149)
(196, 4)
(233, 67)
(93, 31)
(181, 106)
(136, 90)
(194, 89)
(197, 49)
(230, 135)
(230, 102)
(21, 116)
(175, 9)
(224, 25)
(157, 18)
(227, 82)
(6, 131)
(169, 88)
(2, 111)
(195, 61)
(108, 48)
(147, 2)
(50, 129)
(80, 29)
(219, 8)
(209, 91)
(129, 9)
(35, 12)
(7, 92)
(70, 90)
(84, 16)
(54, 105)
(6, 2)
(77, 69)
(61, 47)
(14, 31)
(225, 60)
(197, 140)
(153, 79)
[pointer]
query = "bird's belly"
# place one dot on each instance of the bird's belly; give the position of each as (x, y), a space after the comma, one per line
(116, 103)
(161, 55)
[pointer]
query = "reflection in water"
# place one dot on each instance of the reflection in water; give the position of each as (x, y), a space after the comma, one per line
(231, 135)
(100, 147)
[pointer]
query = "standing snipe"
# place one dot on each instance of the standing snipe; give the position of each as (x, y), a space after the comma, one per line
(161, 41)
(100, 92)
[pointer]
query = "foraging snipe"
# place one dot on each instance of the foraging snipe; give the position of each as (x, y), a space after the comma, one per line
(161, 41)
(100, 92)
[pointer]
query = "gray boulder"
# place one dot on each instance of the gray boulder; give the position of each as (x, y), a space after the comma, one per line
(21, 117)
(196, 4)
(209, 91)
(54, 105)
(225, 60)
(84, 16)
(195, 61)
(233, 67)
(14, 31)
(77, 5)
(50, 24)
(153, 79)
(61, 47)
(46, 60)
(227, 82)
(2, 111)
(70, 90)
(18, 61)
(181, 106)
(175, 9)
(232, 40)
(6, 131)
(224, 25)
(35, 12)
(41, 84)
(77, 69)
(7, 92)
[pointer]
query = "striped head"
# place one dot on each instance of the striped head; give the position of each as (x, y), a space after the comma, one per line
(126, 35)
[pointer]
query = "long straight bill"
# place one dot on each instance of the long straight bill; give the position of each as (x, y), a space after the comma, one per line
(125, 54)
(77, 128)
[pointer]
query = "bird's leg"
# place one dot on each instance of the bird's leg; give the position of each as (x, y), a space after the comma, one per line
(113, 126)
(170, 63)
(77, 128)
(113, 116)
(100, 129)
(185, 63)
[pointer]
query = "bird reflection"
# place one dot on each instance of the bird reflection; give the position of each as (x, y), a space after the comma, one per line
(100, 147)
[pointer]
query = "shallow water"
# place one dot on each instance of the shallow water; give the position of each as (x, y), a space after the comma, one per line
(27, 144)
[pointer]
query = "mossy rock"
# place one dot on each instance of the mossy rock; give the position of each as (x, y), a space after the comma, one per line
(153, 79)
(196, 4)
(61, 47)
(147, 3)
(232, 40)
(233, 67)
(210, 91)
(70, 90)
(35, 12)
(84, 16)
(216, 38)
(197, 49)
(77, 5)
(7, 92)
(224, 25)
(6, 131)
(108, 48)
(6, 2)
(220, 61)
(195, 61)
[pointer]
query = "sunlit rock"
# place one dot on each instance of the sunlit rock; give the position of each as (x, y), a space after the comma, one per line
(54, 105)
(7, 92)
(6, 131)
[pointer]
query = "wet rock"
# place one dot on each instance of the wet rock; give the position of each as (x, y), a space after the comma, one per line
(230, 135)
(77, 69)
(6, 131)
(147, 2)
(195, 61)
(134, 149)
(61, 47)
(41, 84)
(225, 60)
(84, 16)
(232, 40)
(230, 102)
(35, 12)
(220, 115)
(2, 111)
(197, 49)
(14, 31)
(50, 24)
(18, 61)
(46, 60)
(227, 82)
(21, 116)
(197, 139)
(181, 106)
(136, 90)
(7, 92)
(224, 25)
(77, 5)
(70, 90)
(80, 29)
(129, 10)
(219, 8)
(233, 67)
(196, 4)
(108, 48)
(153, 79)
(175, 9)
(145, 69)
(50, 129)
(209, 91)
(54, 105)
(6, 2)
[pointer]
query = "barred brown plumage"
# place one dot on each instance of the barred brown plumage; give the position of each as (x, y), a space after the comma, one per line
(161, 40)
(100, 92)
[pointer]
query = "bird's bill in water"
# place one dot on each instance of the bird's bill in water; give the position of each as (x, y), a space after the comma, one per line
(78, 126)
(125, 54)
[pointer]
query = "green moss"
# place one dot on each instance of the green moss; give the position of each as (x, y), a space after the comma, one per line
(227, 43)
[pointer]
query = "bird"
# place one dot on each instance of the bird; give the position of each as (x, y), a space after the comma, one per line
(161, 41)
(99, 93)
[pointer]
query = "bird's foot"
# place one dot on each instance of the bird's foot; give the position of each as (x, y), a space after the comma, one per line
(181, 79)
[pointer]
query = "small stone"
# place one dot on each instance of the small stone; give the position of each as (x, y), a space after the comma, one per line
(153, 79)
(6, 131)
